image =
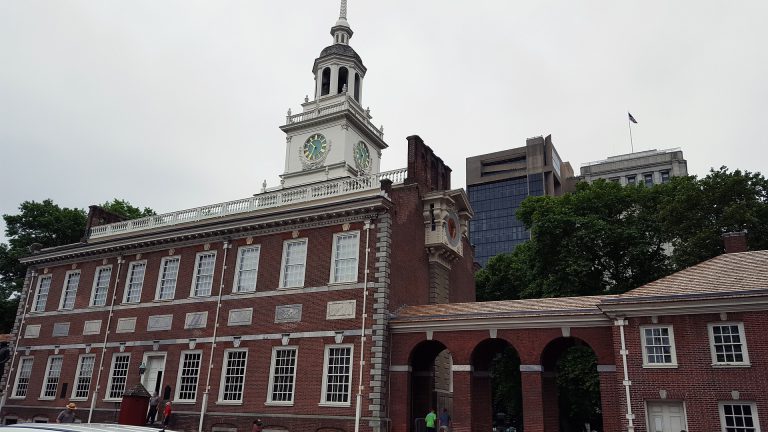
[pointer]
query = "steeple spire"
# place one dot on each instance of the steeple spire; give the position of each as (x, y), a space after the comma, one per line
(341, 31)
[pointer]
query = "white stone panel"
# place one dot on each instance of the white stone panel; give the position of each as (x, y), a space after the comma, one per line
(239, 317)
(195, 320)
(32, 331)
(126, 325)
(341, 309)
(288, 313)
(92, 327)
(61, 329)
(159, 322)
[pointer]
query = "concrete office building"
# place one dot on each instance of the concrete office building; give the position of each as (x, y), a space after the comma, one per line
(649, 167)
(498, 182)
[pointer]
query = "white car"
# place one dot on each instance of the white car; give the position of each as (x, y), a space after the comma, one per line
(78, 427)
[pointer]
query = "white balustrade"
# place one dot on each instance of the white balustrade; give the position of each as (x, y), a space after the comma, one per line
(258, 202)
(332, 109)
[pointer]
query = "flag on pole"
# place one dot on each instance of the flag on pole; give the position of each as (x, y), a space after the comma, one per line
(632, 119)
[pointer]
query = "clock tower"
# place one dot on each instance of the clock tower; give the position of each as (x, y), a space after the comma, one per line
(333, 136)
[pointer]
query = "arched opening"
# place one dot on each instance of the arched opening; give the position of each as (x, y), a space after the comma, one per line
(431, 382)
(357, 87)
(570, 386)
(343, 78)
(325, 83)
(497, 397)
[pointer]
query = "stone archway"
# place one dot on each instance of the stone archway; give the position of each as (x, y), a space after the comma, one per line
(431, 382)
(570, 386)
(496, 386)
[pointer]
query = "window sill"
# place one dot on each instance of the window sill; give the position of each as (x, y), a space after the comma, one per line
(94, 306)
(184, 402)
(200, 296)
(335, 404)
(78, 399)
(162, 300)
(46, 398)
(243, 292)
(112, 400)
(233, 403)
(731, 365)
(289, 288)
(17, 397)
(660, 366)
(342, 283)
(280, 404)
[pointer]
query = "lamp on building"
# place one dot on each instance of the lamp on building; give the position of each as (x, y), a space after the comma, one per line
(142, 368)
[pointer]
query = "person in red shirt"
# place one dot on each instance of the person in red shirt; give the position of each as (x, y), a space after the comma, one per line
(167, 414)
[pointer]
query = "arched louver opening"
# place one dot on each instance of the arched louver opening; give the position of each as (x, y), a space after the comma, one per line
(357, 87)
(343, 74)
(325, 86)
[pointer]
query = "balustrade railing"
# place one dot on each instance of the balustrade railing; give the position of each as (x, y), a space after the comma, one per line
(256, 202)
(331, 109)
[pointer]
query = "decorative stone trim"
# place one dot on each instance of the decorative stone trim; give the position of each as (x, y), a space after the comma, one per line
(159, 322)
(606, 368)
(238, 317)
(32, 331)
(288, 313)
(344, 309)
(461, 368)
(531, 368)
(60, 329)
(126, 325)
(196, 320)
(92, 327)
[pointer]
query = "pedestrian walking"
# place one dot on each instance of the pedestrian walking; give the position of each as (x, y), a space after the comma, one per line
(445, 420)
(68, 415)
(430, 420)
(154, 401)
(257, 426)
(167, 414)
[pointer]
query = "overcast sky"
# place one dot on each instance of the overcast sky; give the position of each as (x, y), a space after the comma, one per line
(176, 103)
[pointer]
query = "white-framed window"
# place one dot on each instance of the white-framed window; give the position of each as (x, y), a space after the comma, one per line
(166, 280)
(739, 416)
(337, 376)
(658, 342)
(631, 180)
(24, 372)
(83, 376)
(294, 263)
(247, 269)
(52, 376)
(134, 282)
(728, 344)
(101, 285)
(41, 293)
(202, 280)
(118, 376)
(665, 176)
(344, 256)
(69, 293)
(233, 376)
(648, 179)
(189, 374)
(282, 376)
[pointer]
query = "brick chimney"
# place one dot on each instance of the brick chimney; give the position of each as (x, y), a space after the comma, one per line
(735, 241)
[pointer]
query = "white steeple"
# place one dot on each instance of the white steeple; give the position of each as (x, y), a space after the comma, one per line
(333, 136)
(341, 31)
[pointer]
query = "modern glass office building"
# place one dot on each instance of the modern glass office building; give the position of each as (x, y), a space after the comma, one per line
(498, 183)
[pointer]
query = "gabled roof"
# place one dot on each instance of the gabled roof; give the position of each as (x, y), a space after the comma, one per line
(724, 275)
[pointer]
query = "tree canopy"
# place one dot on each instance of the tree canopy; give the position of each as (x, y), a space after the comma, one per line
(49, 225)
(607, 238)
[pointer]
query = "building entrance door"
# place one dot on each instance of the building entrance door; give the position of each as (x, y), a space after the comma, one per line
(153, 377)
(666, 417)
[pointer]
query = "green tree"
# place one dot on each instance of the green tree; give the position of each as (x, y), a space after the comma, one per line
(49, 225)
(579, 387)
(126, 210)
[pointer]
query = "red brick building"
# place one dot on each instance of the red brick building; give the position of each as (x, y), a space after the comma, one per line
(687, 352)
(344, 299)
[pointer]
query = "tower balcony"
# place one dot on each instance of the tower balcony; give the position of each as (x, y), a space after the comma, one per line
(329, 106)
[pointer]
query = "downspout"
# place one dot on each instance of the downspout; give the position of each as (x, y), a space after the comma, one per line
(24, 309)
(359, 400)
(621, 322)
(95, 393)
(226, 248)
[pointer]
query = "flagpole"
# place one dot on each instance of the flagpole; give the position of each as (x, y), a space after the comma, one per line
(631, 144)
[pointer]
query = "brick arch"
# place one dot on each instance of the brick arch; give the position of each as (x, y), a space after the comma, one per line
(481, 388)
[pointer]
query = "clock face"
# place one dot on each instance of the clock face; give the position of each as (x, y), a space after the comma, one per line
(315, 148)
(362, 156)
(453, 229)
